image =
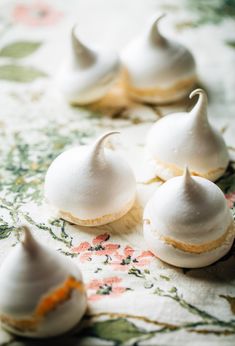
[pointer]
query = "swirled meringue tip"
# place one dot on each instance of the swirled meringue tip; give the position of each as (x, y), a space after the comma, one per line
(90, 185)
(28, 241)
(187, 223)
(187, 137)
(152, 32)
(164, 72)
(87, 73)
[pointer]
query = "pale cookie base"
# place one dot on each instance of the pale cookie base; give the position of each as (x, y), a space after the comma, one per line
(98, 221)
(166, 171)
(92, 97)
(158, 95)
(170, 254)
(198, 248)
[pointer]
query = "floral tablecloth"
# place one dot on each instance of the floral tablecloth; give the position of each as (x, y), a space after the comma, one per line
(134, 298)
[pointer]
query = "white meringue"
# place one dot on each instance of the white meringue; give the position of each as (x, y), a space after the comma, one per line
(187, 222)
(90, 185)
(88, 74)
(187, 138)
(41, 292)
(156, 69)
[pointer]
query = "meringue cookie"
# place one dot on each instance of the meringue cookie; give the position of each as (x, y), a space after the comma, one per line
(88, 74)
(41, 292)
(187, 222)
(156, 69)
(187, 138)
(90, 185)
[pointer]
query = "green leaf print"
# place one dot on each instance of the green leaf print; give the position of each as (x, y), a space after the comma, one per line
(20, 49)
(119, 330)
(211, 11)
(231, 301)
(205, 12)
(230, 43)
(227, 183)
(5, 229)
(21, 74)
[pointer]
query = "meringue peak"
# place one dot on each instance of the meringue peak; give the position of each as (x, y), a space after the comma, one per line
(83, 56)
(188, 182)
(187, 176)
(97, 150)
(29, 243)
(154, 35)
(199, 111)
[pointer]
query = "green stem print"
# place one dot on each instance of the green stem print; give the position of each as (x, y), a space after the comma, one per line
(24, 166)
(207, 318)
(121, 327)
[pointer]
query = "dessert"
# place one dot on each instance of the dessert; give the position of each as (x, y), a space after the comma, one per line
(157, 69)
(87, 74)
(187, 138)
(187, 222)
(90, 185)
(41, 292)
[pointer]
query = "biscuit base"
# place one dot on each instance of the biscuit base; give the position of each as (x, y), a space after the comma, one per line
(97, 221)
(169, 252)
(166, 171)
(158, 95)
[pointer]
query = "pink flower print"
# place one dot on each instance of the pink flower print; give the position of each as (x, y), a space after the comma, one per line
(85, 257)
(98, 247)
(108, 249)
(101, 238)
(82, 247)
(36, 14)
(129, 258)
(230, 199)
(105, 287)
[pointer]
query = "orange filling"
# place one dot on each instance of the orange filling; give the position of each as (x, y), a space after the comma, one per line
(46, 304)
(58, 296)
